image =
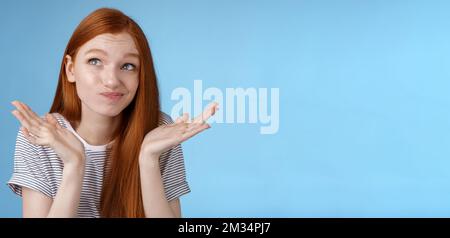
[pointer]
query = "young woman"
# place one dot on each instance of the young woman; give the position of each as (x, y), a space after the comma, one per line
(105, 149)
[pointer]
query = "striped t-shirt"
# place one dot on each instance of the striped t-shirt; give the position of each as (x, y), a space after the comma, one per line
(39, 168)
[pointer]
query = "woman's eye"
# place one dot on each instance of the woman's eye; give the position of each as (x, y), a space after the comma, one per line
(128, 66)
(94, 61)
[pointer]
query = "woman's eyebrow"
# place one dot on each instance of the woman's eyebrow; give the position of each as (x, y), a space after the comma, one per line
(104, 53)
(131, 55)
(95, 50)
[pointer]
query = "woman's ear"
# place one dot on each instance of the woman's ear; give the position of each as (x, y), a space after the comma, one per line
(69, 69)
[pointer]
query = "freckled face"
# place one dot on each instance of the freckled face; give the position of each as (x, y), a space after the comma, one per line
(106, 73)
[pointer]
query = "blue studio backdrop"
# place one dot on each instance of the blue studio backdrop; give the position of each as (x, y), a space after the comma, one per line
(364, 97)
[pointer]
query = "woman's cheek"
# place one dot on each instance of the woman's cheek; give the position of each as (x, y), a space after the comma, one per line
(86, 87)
(132, 85)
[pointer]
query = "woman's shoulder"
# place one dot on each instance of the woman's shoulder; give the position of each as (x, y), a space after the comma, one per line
(62, 121)
(164, 119)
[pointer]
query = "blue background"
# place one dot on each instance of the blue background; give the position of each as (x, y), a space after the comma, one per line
(364, 99)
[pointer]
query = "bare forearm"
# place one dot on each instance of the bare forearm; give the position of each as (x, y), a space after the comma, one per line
(67, 199)
(153, 195)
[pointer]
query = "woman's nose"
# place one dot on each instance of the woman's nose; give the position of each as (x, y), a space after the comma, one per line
(110, 77)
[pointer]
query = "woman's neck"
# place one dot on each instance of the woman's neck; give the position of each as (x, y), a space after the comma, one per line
(97, 129)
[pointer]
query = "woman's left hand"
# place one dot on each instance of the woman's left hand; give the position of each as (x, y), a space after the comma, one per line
(165, 137)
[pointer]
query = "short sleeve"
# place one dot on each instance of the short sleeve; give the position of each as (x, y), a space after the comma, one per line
(29, 168)
(172, 168)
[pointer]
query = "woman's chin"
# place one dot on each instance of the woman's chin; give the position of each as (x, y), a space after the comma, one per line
(113, 112)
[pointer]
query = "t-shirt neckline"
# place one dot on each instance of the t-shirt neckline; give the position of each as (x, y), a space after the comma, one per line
(87, 146)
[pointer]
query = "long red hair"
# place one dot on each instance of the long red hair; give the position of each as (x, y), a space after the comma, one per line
(121, 193)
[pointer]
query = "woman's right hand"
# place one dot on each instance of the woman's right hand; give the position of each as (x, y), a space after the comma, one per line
(48, 132)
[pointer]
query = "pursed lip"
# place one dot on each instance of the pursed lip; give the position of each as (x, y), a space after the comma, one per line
(111, 94)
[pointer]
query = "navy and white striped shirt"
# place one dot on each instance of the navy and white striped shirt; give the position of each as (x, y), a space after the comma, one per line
(39, 168)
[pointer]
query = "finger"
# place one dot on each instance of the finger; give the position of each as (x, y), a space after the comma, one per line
(32, 115)
(24, 121)
(194, 126)
(28, 114)
(28, 109)
(21, 108)
(181, 118)
(207, 113)
(185, 117)
(190, 133)
(20, 114)
(199, 121)
(27, 135)
(24, 131)
(36, 122)
(52, 120)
